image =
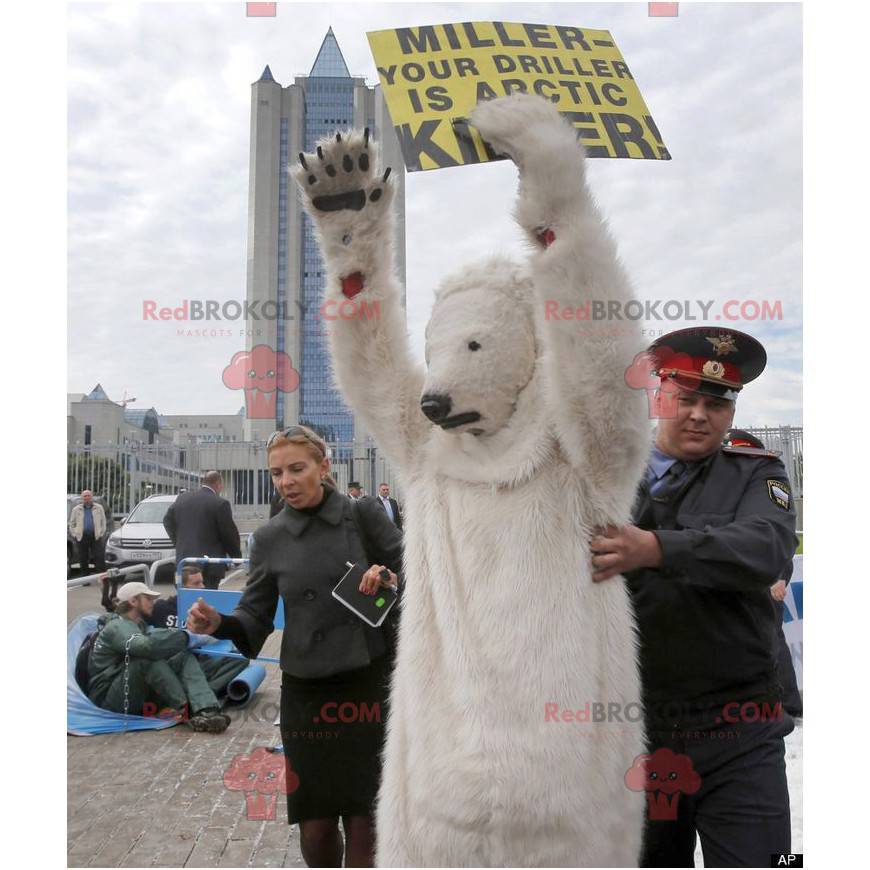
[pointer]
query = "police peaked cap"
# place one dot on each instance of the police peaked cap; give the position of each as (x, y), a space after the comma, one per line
(709, 360)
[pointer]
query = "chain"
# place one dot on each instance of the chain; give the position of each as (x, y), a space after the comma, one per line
(127, 677)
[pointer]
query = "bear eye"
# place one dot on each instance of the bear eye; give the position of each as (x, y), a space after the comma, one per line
(473, 345)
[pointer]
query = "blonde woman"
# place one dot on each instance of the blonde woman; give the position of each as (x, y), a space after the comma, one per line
(335, 667)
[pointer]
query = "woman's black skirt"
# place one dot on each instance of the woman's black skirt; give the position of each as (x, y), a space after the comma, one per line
(332, 729)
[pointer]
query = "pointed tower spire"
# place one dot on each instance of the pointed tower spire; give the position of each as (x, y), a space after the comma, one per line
(97, 394)
(329, 62)
(267, 75)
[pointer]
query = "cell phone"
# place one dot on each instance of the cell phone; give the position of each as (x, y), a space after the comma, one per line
(371, 609)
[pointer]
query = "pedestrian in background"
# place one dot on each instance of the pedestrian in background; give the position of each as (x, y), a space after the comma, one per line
(389, 505)
(87, 525)
(201, 524)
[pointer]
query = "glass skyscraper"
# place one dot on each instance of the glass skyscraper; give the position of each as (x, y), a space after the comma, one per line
(284, 263)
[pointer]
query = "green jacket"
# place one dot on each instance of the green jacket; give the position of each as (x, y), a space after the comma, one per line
(107, 657)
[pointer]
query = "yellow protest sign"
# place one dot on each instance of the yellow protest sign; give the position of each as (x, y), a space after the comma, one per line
(433, 76)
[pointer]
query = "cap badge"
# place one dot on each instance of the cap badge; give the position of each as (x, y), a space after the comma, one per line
(723, 345)
(713, 369)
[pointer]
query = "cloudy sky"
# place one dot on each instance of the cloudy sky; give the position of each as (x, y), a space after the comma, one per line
(159, 119)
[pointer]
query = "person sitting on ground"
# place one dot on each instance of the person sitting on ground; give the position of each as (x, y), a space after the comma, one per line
(109, 583)
(220, 671)
(130, 664)
(165, 611)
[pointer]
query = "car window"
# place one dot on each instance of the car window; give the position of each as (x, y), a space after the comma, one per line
(149, 512)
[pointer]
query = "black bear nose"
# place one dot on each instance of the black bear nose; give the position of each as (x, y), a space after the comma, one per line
(435, 407)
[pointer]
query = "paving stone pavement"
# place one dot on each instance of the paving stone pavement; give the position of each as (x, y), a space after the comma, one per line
(157, 798)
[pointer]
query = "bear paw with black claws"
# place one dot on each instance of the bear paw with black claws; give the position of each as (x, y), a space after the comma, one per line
(341, 183)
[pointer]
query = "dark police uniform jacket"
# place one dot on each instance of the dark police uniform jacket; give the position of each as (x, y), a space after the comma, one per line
(705, 617)
(300, 556)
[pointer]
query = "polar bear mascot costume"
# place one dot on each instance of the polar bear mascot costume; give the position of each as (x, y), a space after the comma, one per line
(518, 438)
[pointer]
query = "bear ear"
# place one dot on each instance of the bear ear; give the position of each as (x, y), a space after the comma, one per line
(520, 288)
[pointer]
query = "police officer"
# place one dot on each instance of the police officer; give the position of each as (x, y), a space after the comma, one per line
(740, 441)
(712, 531)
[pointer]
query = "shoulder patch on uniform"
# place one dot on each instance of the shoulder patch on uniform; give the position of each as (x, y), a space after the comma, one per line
(762, 452)
(779, 493)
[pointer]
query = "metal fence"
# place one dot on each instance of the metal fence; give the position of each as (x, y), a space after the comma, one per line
(789, 441)
(124, 475)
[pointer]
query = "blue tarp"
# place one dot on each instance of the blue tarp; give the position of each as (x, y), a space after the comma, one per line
(84, 718)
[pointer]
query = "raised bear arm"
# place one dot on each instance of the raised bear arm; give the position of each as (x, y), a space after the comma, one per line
(349, 199)
(601, 423)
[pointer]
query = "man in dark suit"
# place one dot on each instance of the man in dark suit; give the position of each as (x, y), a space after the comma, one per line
(389, 505)
(201, 524)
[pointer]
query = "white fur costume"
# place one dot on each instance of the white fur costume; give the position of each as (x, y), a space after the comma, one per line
(500, 614)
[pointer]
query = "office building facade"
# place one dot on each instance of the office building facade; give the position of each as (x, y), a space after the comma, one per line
(284, 264)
